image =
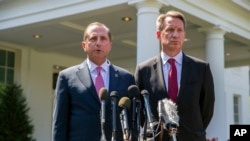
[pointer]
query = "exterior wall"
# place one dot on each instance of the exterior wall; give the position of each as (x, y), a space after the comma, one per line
(36, 80)
(237, 83)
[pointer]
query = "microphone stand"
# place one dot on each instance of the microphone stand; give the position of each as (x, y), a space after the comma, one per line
(114, 136)
(136, 119)
(124, 128)
(103, 137)
(134, 113)
(138, 107)
(144, 133)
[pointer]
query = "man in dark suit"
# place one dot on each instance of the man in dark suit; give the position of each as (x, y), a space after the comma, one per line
(77, 106)
(194, 92)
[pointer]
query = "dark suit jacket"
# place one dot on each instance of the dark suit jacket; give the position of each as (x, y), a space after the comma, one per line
(195, 102)
(77, 107)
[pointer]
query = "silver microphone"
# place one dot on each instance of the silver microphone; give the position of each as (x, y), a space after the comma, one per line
(168, 112)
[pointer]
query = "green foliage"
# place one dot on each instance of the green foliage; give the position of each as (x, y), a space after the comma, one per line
(15, 124)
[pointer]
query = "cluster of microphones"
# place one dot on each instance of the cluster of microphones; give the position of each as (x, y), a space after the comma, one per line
(167, 110)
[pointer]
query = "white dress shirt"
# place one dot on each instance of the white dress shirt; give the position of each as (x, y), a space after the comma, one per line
(166, 67)
(104, 71)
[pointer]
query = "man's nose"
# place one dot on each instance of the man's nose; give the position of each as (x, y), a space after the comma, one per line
(98, 41)
(175, 33)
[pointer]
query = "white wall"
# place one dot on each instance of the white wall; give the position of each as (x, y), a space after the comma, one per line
(36, 80)
(237, 83)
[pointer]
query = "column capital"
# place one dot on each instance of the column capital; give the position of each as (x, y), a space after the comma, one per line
(217, 29)
(145, 3)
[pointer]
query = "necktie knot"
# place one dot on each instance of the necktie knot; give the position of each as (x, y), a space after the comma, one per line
(171, 61)
(98, 69)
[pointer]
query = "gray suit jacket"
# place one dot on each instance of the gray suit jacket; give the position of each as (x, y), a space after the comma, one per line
(195, 98)
(77, 107)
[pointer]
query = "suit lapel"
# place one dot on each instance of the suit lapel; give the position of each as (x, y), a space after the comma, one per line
(159, 76)
(85, 77)
(184, 74)
(114, 78)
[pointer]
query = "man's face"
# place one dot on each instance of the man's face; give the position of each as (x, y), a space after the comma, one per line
(98, 44)
(172, 36)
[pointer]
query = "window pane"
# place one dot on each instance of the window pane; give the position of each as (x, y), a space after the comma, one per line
(2, 74)
(11, 59)
(10, 76)
(7, 66)
(236, 109)
(2, 57)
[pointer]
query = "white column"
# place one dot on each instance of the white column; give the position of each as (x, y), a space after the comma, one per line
(147, 43)
(218, 127)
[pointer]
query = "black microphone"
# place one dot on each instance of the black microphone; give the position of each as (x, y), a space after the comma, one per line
(103, 93)
(145, 95)
(113, 96)
(134, 94)
(125, 104)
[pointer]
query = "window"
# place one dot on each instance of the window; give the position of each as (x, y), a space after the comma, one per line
(56, 70)
(7, 65)
(236, 101)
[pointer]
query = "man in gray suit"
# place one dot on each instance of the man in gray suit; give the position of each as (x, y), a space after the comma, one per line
(194, 94)
(77, 106)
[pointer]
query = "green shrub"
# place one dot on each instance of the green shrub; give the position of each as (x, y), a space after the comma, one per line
(15, 124)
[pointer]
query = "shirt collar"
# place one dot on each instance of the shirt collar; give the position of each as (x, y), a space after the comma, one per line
(92, 66)
(178, 57)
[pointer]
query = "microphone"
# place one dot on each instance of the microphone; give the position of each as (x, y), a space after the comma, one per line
(148, 109)
(134, 94)
(113, 96)
(125, 104)
(170, 116)
(103, 93)
(160, 114)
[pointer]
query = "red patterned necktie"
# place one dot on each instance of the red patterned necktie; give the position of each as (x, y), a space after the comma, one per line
(99, 83)
(172, 81)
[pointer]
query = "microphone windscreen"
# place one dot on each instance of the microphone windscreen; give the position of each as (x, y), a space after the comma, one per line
(124, 102)
(170, 111)
(103, 93)
(133, 91)
(113, 94)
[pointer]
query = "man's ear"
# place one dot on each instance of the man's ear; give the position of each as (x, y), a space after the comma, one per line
(83, 45)
(158, 34)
